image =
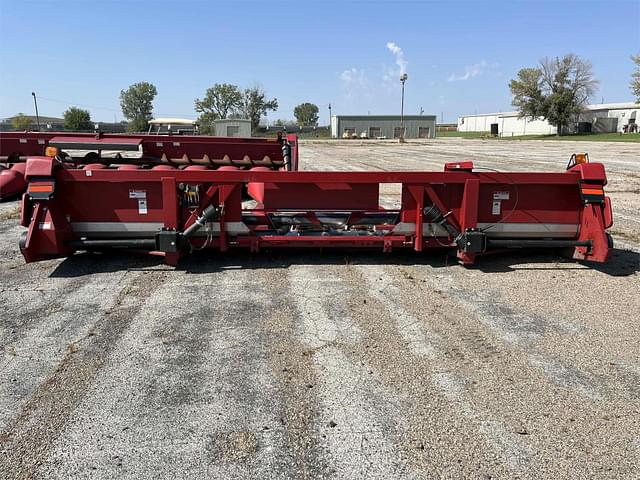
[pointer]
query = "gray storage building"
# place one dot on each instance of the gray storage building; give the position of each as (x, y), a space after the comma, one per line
(229, 127)
(388, 126)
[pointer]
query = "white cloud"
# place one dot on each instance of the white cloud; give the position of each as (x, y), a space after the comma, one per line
(352, 76)
(399, 54)
(355, 83)
(470, 71)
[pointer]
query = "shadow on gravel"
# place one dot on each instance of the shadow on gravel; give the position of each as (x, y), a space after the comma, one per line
(622, 262)
(87, 263)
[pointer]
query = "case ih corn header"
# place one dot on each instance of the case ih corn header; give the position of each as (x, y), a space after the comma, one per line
(171, 209)
(80, 149)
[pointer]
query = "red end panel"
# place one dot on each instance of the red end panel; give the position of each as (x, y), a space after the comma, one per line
(596, 215)
(591, 172)
(47, 235)
(40, 167)
(592, 228)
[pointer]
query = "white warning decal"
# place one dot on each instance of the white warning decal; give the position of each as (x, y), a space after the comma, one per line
(142, 207)
(138, 194)
(498, 197)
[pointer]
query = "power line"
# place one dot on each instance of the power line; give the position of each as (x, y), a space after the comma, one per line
(67, 102)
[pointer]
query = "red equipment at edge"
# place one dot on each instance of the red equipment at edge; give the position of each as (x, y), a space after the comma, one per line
(172, 212)
(147, 151)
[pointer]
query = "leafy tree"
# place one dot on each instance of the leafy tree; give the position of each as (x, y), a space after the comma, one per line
(557, 90)
(254, 105)
(635, 77)
(21, 122)
(77, 119)
(306, 114)
(527, 92)
(137, 105)
(219, 101)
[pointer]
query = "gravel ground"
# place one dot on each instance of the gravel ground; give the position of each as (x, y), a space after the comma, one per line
(330, 365)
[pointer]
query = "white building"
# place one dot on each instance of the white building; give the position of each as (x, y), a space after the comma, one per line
(604, 117)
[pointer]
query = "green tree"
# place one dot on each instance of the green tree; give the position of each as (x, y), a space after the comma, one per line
(21, 122)
(557, 90)
(137, 105)
(306, 114)
(635, 77)
(254, 105)
(77, 119)
(219, 101)
(527, 92)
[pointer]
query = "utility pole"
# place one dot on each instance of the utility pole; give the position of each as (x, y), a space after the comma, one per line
(330, 120)
(403, 78)
(35, 101)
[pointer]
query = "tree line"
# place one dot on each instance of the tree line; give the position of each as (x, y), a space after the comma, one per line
(221, 101)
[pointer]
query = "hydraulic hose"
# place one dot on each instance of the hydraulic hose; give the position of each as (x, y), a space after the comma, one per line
(207, 214)
(433, 214)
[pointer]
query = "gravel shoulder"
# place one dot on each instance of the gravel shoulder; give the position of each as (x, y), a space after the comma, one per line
(335, 364)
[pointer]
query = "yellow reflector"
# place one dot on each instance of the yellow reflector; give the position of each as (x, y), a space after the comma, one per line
(582, 158)
(51, 151)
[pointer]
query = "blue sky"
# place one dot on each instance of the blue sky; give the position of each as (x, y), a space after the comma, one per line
(459, 56)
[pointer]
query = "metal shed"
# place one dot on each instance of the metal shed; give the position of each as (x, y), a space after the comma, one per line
(228, 127)
(383, 126)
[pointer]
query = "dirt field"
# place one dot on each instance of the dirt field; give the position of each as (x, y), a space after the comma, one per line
(334, 364)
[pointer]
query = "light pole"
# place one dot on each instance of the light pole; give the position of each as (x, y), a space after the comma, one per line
(329, 119)
(403, 78)
(35, 102)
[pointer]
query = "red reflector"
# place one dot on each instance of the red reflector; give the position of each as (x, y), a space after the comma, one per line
(41, 188)
(465, 166)
(592, 191)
